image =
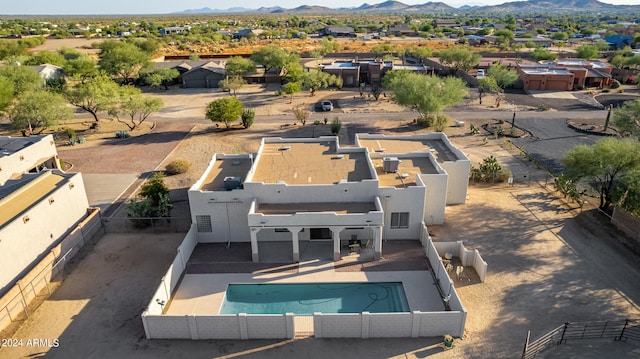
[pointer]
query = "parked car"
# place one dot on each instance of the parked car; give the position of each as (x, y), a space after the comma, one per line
(480, 74)
(327, 105)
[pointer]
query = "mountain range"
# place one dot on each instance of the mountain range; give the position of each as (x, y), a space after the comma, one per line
(392, 6)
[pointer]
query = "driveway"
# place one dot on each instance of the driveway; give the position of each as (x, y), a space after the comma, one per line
(550, 141)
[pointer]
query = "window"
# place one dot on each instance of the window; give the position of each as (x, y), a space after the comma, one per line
(204, 223)
(399, 220)
(282, 230)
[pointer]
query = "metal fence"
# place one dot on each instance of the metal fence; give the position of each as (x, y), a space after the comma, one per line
(32, 293)
(616, 330)
(146, 225)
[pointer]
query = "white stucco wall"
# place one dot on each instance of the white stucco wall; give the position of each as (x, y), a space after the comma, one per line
(410, 199)
(21, 244)
(29, 157)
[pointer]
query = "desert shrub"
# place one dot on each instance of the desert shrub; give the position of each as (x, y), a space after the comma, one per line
(621, 91)
(71, 133)
(247, 116)
(122, 134)
(177, 167)
(543, 107)
(336, 125)
(615, 84)
(440, 123)
(606, 90)
(139, 212)
(317, 122)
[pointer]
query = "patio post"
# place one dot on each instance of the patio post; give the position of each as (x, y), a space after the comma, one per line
(296, 242)
(254, 245)
(335, 234)
(377, 242)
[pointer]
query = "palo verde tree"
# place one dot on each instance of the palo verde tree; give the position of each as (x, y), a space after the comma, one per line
(6, 93)
(227, 109)
(238, 66)
(588, 52)
(270, 56)
(627, 118)
(603, 164)
(497, 79)
(123, 60)
(459, 57)
(155, 202)
(161, 77)
(23, 78)
(133, 108)
(96, 94)
(428, 94)
(36, 111)
(317, 79)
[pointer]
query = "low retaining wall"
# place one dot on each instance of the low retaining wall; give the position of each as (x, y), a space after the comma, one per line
(468, 257)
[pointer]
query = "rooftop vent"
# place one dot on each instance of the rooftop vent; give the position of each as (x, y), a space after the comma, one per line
(337, 157)
(381, 149)
(231, 183)
(284, 148)
(235, 163)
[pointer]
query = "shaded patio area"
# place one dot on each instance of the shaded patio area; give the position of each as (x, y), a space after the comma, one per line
(398, 255)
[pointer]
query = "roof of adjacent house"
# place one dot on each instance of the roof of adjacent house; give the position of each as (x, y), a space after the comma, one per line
(209, 66)
(10, 145)
(18, 195)
(437, 147)
(225, 167)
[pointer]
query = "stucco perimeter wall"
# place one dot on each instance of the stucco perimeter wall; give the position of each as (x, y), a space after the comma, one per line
(240, 326)
(468, 257)
(28, 157)
(171, 278)
(389, 325)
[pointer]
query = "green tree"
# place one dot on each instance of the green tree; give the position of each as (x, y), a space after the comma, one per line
(328, 46)
(123, 60)
(232, 84)
(292, 88)
(560, 36)
(459, 57)
(588, 52)
(161, 77)
(6, 93)
(504, 35)
(627, 118)
(226, 109)
(603, 164)
(503, 76)
(270, 56)
(627, 193)
(543, 54)
(96, 94)
(81, 68)
(39, 110)
(23, 78)
(238, 66)
(134, 107)
(617, 60)
(317, 79)
(429, 95)
(11, 48)
(46, 57)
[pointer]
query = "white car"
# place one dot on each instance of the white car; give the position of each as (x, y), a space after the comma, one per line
(480, 74)
(327, 105)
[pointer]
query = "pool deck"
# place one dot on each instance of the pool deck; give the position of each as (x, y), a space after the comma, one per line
(202, 294)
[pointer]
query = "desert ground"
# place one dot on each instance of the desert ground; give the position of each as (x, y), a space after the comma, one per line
(549, 261)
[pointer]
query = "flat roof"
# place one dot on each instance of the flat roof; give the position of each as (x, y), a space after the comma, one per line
(342, 65)
(10, 145)
(437, 147)
(545, 71)
(309, 163)
(408, 166)
(225, 167)
(338, 208)
(39, 187)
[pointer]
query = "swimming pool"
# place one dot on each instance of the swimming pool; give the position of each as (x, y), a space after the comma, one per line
(307, 298)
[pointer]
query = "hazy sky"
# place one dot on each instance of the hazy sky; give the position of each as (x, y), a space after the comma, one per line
(68, 7)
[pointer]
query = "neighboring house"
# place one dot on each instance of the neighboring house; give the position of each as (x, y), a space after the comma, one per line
(49, 72)
(44, 219)
(38, 202)
(565, 75)
(245, 33)
(617, 42)
(309, 189)
(19, 155)
(475, 40)
(539, 41)
(174, 30)
(402, 30)
(370, 72)
(339, 31)
(207, 75)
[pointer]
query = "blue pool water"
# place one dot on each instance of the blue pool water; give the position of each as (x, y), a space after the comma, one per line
(307, 298)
